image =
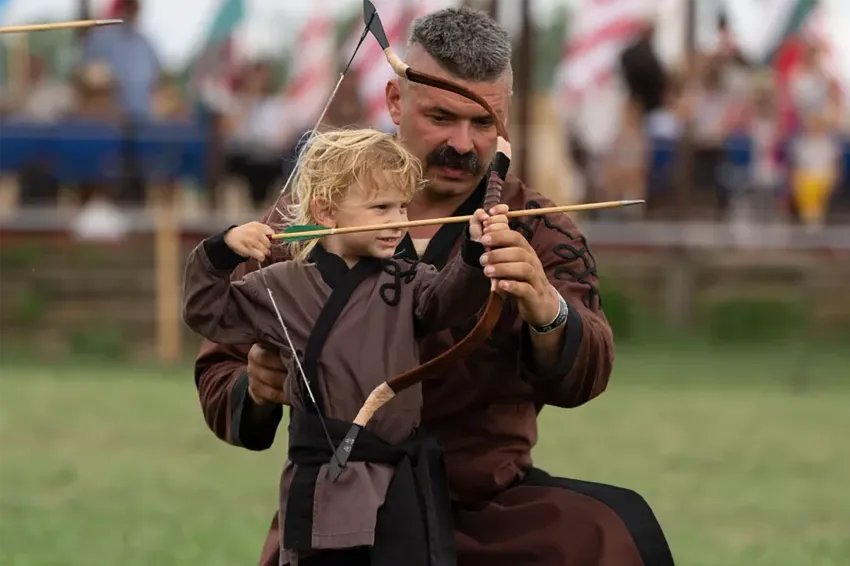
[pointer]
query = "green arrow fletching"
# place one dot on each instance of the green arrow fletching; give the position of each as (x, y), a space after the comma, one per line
(302, 228)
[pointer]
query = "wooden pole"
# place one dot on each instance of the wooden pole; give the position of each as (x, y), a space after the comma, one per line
(685, 152)
(168, 278)
(525, 78)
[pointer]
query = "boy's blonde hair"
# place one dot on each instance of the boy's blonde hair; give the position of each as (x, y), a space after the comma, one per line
(339, 160)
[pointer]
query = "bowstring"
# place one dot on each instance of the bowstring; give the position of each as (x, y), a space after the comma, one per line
(315, 130)
(261, 269)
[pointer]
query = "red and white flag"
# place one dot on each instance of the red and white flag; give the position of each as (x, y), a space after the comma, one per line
(599, 31)
(314, 69)
(370, 65)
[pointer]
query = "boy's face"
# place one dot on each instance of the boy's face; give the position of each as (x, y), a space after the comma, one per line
(366, 207)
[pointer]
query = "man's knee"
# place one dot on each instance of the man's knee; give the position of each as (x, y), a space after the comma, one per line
(611, 504)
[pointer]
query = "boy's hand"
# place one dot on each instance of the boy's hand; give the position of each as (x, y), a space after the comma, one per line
(250, 240)
(482, 223)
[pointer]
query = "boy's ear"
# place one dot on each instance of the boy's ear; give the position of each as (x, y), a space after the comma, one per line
(324, 212)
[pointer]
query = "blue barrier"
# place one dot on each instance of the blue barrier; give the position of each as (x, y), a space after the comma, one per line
(77, 151)
(738, 153)
(83, 151)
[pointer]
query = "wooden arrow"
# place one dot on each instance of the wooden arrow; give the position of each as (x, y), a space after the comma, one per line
(59, 25)
(316, 231)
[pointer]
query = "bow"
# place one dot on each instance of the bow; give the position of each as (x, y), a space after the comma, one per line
(385, 392)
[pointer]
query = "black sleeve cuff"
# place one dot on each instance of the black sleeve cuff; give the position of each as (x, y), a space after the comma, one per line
(220, 254)
(569, 352)
(243, 429)
(471, 251)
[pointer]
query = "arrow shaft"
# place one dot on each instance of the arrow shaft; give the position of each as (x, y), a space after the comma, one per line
(58, 25)
(453, 219)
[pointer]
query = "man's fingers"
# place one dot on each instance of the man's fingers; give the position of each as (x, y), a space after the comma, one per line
(506, 239)
(499, 209)
(496, 228)
(517, 271)
(508, 255)
(499, 218)
(518, 289)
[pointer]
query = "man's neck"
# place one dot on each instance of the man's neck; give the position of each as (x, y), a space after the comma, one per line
(425, 206)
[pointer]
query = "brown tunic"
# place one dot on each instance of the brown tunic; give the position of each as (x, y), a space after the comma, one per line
(485, 415)
(355, 328)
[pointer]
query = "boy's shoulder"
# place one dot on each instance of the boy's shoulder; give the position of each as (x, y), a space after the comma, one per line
(289, 268)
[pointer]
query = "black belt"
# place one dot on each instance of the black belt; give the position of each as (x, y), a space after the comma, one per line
(414, 525)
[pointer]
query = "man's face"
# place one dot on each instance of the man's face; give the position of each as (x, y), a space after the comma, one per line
(454, 137)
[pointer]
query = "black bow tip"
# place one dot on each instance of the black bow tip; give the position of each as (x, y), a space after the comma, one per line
(373, 23)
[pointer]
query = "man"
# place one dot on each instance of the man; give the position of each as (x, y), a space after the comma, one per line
(131, 58)
(552, 346)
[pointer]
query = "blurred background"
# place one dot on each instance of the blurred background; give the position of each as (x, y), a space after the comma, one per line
(122, 147)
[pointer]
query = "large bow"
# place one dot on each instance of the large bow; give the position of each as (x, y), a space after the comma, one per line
(487, 322)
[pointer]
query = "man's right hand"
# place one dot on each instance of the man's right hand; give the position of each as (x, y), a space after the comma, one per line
(266, 377)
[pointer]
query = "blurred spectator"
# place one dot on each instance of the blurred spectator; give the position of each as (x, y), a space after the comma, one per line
(168, 103)
(98, 100)
(135, 66)
(766, 173)
(812, 90)
(624, 173)
(96, 93)
(131, 58)
(40, 98)
(815, 157)
(255, 132)
(711, 112)
(666, 121)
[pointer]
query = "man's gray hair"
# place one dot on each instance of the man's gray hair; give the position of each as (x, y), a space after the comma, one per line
(466, 43)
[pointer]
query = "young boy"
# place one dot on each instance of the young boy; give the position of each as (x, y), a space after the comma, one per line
(354, 314)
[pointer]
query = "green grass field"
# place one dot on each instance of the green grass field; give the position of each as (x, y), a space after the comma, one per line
(113, 465)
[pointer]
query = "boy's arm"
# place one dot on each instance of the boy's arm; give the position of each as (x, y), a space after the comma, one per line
(453, 295)
(215, 307)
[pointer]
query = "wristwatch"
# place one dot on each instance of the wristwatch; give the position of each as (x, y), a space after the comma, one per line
(557, 322)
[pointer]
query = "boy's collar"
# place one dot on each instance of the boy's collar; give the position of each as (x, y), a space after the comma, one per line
(334, 269)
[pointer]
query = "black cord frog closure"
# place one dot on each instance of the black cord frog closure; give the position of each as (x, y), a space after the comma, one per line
(391, 292)
(567, 252)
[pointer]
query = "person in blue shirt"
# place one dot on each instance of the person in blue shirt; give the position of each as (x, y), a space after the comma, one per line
(131, 58)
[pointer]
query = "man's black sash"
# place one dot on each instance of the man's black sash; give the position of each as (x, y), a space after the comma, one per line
(414, 525)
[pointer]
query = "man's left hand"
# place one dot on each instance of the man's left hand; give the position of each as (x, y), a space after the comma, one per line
(514, 263)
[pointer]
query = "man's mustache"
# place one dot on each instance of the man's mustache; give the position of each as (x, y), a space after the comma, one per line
(447, 156)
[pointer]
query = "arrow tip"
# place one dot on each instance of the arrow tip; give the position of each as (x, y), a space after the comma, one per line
(99, 23)
(631, 202)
